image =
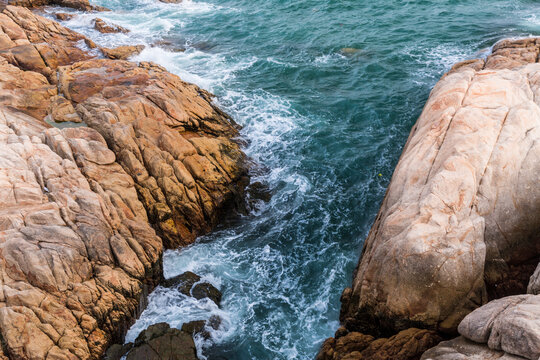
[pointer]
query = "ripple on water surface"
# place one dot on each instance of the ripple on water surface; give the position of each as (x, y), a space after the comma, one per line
(327, 92)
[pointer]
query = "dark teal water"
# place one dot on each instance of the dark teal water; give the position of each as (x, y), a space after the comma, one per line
(327, 124)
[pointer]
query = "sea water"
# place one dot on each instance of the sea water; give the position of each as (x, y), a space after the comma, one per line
(326, 92)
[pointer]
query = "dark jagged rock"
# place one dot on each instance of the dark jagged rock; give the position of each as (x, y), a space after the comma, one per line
(161, 342)
(189, 285)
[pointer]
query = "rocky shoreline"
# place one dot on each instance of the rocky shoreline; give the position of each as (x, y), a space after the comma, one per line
(457, 236)
(104, 164)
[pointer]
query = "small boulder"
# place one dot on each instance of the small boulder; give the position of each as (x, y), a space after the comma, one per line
(64, 16)
(206, 290)
(187, 284)
(105, 28)
(122, 52)
(160, 341)
(200, 327)
(184, 282)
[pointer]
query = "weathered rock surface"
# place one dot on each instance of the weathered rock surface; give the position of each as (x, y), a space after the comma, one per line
(75, 4)
(105, 28)
(122, 52)
(510, 324)
(80, 206)
(408, 344)
(459, 225)
(168, 136)
(161, 342)
(77, 252)
(33, 43)
(463, 349)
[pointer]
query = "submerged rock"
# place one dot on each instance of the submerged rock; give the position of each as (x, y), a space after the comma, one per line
(189, 284)
(201, 327)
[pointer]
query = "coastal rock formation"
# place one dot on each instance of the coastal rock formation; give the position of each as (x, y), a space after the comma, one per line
(122, 52)
(459, 225)
(105, 28)
(33, 43)
(463, 349)
(169, 138)
(408, 344)
(83, 206)
(83, 5)
(77, 252)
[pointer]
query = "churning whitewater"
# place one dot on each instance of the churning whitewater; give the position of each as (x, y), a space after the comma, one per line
(327, 92)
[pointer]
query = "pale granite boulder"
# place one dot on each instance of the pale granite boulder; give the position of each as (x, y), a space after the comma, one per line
(459, 224)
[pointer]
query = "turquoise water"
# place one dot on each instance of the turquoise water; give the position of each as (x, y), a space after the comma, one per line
(326, 125)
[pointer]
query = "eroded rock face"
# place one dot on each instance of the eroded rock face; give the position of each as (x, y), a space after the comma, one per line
(463, 349)
(510, 324)
(77, 252)
(408, 344)
(33, 43)
(444, 236)
(80, 206)
(75, 4)
(168, 137)
(459, 224)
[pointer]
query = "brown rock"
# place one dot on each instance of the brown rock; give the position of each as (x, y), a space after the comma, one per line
(123, 52)
(443, 242)
(168, 136)
(64, 16)
(160, 341)
(77, 253)
(75, 4)
(406, 345)
(105, 28)
(34, 43)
